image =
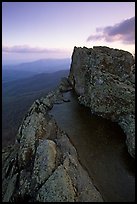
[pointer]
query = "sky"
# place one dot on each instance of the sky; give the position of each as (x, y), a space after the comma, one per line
(41, 30)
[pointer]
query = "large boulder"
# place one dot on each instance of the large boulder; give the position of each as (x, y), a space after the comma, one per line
(43, 165)
(104, 79)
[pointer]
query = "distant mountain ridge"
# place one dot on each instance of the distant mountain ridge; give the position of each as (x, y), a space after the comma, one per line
(42, 65)
(9, 75)
(43, 165)
(19, 94)
(34, 83)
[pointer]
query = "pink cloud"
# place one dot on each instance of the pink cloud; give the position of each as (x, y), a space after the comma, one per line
(28, 49)
(123, 31)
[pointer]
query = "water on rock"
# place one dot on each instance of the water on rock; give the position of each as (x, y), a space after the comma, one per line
(101, 147)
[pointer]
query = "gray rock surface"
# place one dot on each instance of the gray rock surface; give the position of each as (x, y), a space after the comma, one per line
(104, 79)
(42, 165)
(58, 188)
(45, 159)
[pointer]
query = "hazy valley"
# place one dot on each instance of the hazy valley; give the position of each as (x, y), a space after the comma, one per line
(21, 87)
(79, 134)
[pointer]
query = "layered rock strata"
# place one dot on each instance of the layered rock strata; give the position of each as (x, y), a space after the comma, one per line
(104, 79)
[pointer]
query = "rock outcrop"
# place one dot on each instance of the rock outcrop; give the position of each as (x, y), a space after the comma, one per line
(104, 79)
(43, 165)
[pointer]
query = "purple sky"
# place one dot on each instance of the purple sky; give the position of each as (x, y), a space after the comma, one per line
(37, 30)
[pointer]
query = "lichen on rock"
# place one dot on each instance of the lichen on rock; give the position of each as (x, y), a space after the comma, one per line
(39, 167)
(43, 165)
(104, 79)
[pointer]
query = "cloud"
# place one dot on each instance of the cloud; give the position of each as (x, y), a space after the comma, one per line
(123, 31)
(27, 49)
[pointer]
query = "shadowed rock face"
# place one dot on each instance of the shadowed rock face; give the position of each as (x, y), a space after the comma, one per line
(43, 165)
(104, 79)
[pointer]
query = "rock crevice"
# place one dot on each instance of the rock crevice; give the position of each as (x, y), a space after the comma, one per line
(104, 79)
(43, 165)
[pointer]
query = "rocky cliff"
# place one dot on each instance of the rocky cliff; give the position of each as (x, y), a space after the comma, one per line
(104, 79)
(43, 165)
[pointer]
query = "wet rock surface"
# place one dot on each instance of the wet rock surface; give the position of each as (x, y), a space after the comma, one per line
(104, 79)
(101, 148)
(42, 165)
